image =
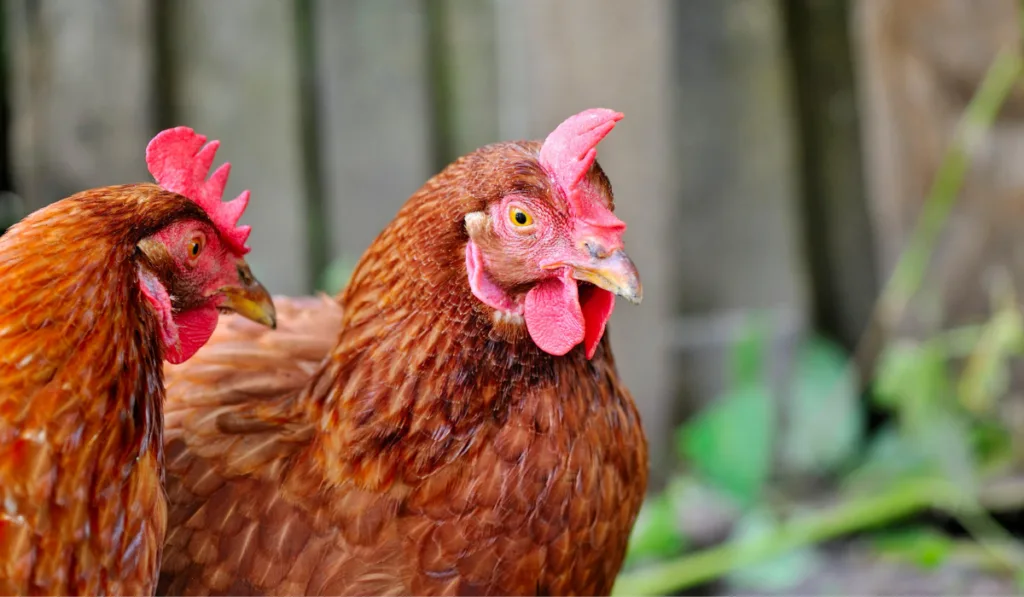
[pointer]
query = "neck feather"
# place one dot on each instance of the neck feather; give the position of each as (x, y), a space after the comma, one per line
(421, 362)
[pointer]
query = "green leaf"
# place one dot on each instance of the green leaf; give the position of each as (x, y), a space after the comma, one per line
(945, 439)
(730, 443)
(655, 534)
(992, 442)
(923, 546)
(748, 354)
(825, 420)
(938, 444)
(912, 378)
(986, 375)
(890, 457)
(780, 574)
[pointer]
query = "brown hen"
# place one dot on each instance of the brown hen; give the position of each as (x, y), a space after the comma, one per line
(455, 425)
(97, 290)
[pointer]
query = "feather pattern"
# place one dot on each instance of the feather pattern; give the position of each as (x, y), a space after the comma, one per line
(82, 508)
(402, 440)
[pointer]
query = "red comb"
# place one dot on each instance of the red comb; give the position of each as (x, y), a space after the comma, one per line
(570, 150)
(179, 162)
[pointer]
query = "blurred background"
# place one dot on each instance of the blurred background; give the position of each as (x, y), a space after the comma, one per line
(824, 198)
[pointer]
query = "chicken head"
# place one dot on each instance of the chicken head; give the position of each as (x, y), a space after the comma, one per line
(191, 269)
(547, 250)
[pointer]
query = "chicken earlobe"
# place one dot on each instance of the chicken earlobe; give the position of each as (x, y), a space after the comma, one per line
(482, 286)
(157, 296)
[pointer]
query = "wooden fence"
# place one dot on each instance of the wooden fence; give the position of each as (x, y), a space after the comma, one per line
(737, 167)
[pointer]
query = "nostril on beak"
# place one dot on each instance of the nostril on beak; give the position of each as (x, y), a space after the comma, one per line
(594, 249)
(245, 275)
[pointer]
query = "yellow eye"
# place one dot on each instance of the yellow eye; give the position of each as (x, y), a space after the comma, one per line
(519, 217)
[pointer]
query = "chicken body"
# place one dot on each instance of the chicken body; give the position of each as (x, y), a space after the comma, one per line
(81, 454)
(82, 506)
(407, 439)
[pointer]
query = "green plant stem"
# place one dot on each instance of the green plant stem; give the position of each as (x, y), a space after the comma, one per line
(993, 537)
(965, 552)
(857, 514)
(981, 112)
(957, 342)
(1020, 23)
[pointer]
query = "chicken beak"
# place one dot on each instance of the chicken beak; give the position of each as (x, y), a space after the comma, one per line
(615, 273)
(249, 299)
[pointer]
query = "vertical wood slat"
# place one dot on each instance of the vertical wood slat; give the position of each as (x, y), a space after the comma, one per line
(236, 69)
(375, 114)
(10, 209)
(558, 58)
(5, 110)
(736, 231)
(79, 75)
(467, 80)
(837, 226)
(738, 220)
(317, 229)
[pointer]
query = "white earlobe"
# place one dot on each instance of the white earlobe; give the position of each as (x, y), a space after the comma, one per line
(476, 223)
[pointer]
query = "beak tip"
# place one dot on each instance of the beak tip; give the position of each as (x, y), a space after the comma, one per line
(638, 296)
(268, 314)
(614, 273)
(252, 303)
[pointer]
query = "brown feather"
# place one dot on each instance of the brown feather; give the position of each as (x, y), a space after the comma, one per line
(82, 508)
(402, 442)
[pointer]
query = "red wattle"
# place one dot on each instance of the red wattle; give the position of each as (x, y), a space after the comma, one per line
(598, 304)
(553, 315)
(195, 327)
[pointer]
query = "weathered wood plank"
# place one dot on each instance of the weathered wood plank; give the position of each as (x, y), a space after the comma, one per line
(466, 80)
(736, 233)
(376, 114)
(235, 70)
(737, 226)
(80, 94)
(11, 209)
(920, 62)
(738, 247)
(557, 58)
(839, 233)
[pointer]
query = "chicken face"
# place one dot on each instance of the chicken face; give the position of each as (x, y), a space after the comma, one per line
(549, 249)
(192, 269)
(189, 274)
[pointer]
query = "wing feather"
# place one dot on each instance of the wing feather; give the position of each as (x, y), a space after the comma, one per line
(231, 430)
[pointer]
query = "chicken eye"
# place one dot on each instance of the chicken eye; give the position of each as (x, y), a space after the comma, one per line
(195, 246)
(519, 217)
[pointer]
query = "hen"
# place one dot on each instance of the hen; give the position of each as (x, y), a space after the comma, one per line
(97, 289)
(455, 425)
